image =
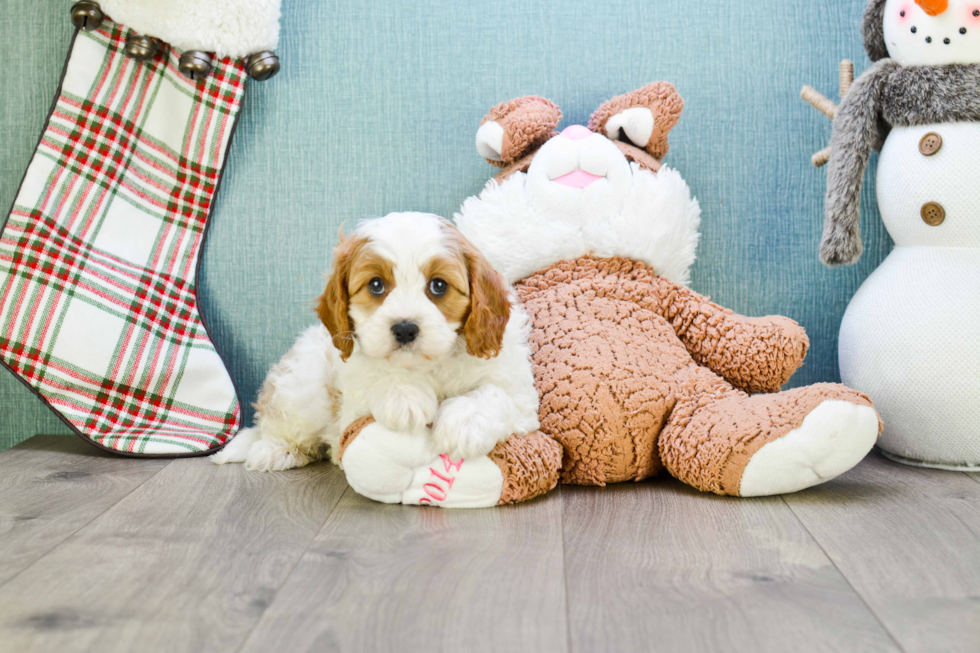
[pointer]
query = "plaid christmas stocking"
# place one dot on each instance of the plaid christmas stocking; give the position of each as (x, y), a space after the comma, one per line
(100, 252)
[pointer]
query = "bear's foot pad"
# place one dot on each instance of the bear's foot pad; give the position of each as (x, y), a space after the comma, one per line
(833, 438)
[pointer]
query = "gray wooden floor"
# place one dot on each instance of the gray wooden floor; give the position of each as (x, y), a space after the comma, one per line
(100, 553)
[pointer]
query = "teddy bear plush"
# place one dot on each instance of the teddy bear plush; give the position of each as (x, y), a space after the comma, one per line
(637, 374)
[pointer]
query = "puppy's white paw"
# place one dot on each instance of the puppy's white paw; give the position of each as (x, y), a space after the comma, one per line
(463, 429)
(237, 450)
(273, 456)
(406, 408)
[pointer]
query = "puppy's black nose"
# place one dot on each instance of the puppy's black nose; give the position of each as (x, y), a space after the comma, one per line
(405, 332)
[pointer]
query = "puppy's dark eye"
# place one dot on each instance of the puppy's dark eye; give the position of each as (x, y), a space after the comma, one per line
(376, 286)
(438, 287)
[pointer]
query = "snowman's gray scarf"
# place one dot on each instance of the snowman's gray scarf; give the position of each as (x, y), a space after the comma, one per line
(887, 95)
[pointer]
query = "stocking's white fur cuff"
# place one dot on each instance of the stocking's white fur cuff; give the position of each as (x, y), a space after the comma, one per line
(228, 28)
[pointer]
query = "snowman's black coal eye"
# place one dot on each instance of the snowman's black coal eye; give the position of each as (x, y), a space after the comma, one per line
(946, 41)
(915, 29)
(962, 30)
(928, 39)
(976, 12)
(902, 14)
(438, 287)
(376, 286)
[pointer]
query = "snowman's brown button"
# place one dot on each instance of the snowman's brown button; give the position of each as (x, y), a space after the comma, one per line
(933, 214)
(931, 143)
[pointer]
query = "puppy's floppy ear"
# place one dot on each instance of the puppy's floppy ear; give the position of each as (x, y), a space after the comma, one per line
(642, 118)
(515, 129)
(332, 306)
(489, 305)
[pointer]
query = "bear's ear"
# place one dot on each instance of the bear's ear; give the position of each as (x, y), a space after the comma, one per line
(641, 118)
(513, 130)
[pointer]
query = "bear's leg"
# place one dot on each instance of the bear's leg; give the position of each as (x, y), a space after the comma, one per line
(379, 463)
(393, 467)
(529, 464)
(721, 440)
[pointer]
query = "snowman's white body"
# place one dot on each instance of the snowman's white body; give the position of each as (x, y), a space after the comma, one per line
(911, 336)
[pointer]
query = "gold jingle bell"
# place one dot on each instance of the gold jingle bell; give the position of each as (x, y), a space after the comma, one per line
(195, 65)
(87, 15)
(262, 65)
(141, 47)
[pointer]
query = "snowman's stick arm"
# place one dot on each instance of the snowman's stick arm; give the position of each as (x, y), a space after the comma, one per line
(854, 137)
(819, 101)
(821, 158)
(846, 77)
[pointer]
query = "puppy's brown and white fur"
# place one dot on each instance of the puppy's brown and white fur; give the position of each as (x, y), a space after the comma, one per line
(418, 331)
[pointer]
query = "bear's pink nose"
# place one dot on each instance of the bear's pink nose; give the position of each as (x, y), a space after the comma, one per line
(576, 132)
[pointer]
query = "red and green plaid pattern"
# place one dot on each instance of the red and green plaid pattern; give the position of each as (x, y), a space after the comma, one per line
(98, 258)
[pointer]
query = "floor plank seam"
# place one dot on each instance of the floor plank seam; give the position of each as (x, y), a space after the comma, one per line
(289, 575)
(847, 580)
(75, 532)
(564, 570)
(975, 476)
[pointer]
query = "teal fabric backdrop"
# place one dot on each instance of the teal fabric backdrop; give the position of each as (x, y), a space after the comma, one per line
(376, 111)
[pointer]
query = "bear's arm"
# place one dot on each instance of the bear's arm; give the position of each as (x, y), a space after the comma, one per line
(753, 354)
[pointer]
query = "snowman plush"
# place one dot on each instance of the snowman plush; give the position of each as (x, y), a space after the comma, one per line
(910, 337)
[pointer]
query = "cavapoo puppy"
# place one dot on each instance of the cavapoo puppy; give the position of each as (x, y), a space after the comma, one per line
(420, 332)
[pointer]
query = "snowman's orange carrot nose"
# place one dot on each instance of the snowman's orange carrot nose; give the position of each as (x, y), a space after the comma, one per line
(933, 7)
